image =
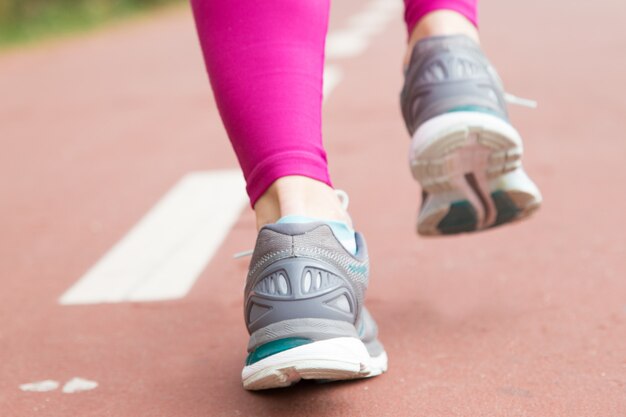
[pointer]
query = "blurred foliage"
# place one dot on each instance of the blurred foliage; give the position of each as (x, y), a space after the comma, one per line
(24, 20)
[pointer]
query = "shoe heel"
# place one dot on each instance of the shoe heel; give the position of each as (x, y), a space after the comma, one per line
(469, 166)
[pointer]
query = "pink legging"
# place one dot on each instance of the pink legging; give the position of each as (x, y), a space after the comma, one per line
(265, 60)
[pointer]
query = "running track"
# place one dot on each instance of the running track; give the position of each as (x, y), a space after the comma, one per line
(527, 320)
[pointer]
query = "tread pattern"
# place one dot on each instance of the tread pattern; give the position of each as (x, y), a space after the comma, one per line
(471, 174)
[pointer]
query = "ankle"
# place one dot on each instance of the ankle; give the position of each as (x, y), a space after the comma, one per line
(440, 23)
(299, 196)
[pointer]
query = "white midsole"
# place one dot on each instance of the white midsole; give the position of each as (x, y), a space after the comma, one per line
(341, 353)
(449, 123)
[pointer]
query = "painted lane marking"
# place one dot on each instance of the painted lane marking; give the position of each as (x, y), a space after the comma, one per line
(356, 37)
(162, 255)
(332, 77)
(40, 386)
(78, 385)
(345, 44)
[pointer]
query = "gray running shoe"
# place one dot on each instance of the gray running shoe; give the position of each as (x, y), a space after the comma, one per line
(304, 309)
(464, 152)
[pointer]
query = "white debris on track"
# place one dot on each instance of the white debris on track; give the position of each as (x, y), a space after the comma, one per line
(72, 386)
(40, 386)
(78, 385)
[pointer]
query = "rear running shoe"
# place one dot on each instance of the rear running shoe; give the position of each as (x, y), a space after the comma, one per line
(304, 309)
(464, 152)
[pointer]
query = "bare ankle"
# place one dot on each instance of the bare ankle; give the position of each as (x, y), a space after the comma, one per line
(302, 196)
(437, 23)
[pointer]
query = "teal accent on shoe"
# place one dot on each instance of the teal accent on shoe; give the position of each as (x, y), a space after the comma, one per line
(460, 218)
(274, 347)
(473, 108)
(341, 230)
(507, 210)
(358, 269)
(362, 329)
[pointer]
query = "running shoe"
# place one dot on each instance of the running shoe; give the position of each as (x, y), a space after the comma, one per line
(464, 152)
(304, 309)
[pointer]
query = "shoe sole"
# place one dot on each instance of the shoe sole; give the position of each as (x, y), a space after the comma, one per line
(469, 166)
(334, 359)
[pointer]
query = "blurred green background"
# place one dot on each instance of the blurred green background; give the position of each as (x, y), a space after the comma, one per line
(27, 20)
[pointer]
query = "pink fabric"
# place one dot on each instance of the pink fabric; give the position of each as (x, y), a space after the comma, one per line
(265, 62)
(414, 10)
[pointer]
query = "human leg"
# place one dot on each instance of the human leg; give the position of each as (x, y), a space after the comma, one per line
(265, 62)
(305, 287)
(416, 10)
(426, 18)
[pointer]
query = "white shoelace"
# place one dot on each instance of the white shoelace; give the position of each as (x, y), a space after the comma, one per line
(520, 101)
(243, 254)
(343, 198)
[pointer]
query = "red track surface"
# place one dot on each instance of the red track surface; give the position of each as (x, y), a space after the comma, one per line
(527, 320)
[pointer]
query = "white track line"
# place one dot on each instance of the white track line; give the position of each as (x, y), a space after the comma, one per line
(162, 256)
(356, 37)
(332, 77)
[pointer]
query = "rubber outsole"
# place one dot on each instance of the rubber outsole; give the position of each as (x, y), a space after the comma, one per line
(334, 359)
(469, 166)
